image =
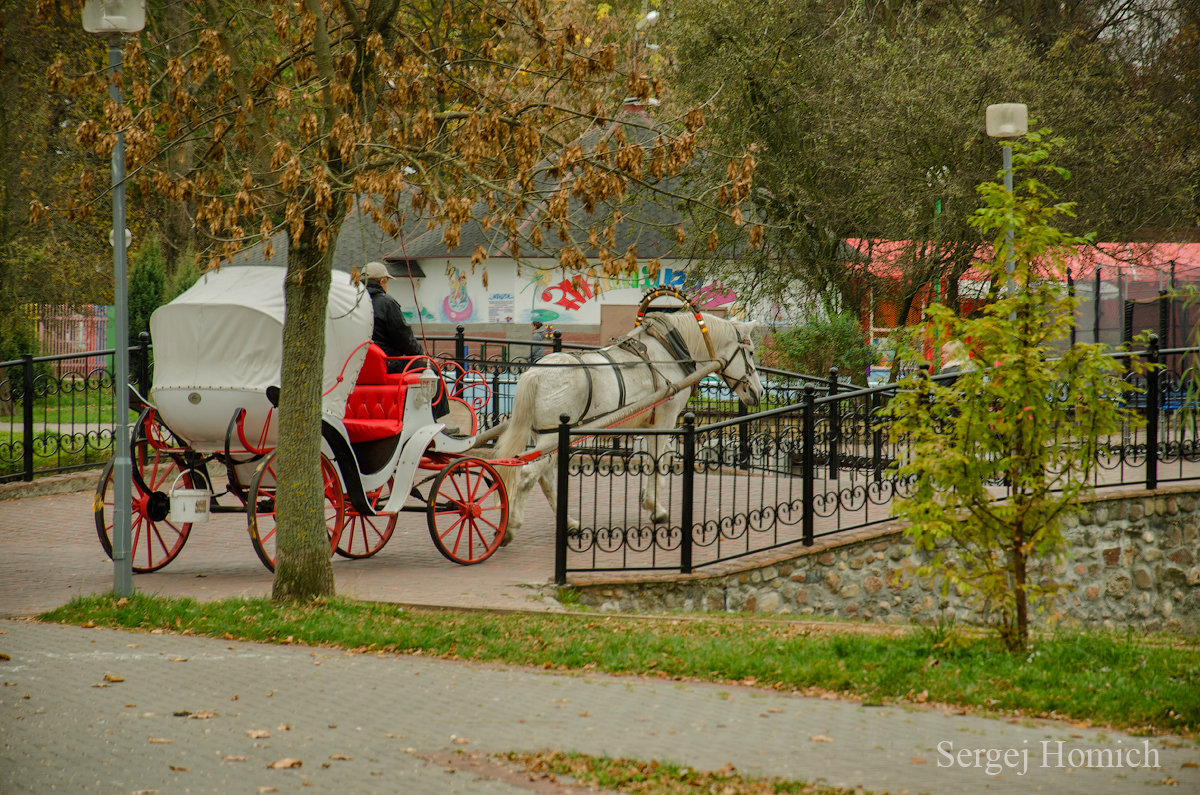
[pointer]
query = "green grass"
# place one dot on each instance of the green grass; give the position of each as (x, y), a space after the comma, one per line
(1126, 681)
(659, 778)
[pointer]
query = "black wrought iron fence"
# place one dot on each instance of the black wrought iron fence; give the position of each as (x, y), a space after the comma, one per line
(56, 412)
(791, 474)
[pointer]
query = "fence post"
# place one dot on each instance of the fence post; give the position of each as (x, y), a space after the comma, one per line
(496, 395)
(1071, 295)
(743, 436)
(1152, 416)
(27, 414)
(807, 462)
(686, 519)
(560, 505)
(835, 424)
(876, 438)
(144, 364)
(460, 347)
(558, 342)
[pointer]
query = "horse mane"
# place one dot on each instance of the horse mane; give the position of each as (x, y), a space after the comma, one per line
(689, 328)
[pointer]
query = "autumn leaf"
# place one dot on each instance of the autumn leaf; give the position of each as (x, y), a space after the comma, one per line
(257, 734)
(285, 763)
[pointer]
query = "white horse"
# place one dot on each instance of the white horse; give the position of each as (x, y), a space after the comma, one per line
(588, 385)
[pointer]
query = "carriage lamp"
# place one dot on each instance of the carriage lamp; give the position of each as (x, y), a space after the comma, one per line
(429, 385)
(114, 19)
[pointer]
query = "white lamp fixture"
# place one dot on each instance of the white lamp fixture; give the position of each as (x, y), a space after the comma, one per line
(114, 16)
(1007, 120)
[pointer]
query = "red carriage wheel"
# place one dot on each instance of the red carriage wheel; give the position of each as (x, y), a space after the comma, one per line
(468, 511)
(363, 536)
(155, 540)
(260, 509)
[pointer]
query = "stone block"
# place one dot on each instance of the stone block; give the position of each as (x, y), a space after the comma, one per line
(1093, 592)
(1118, 585)
(801, 596)
(1142, 579)
(833, 581)
(799, 576)
(769, 602)
(849, 591)
(1182, 556)
(826, 559)
(1136, 512)
(1117, 511)
(1173, 536)
(1152, 554)
(856, 563)
(881, 546)
(1193, 576)
(1100, 515)
(1112, 556)
(872, 585)
(1081, 569)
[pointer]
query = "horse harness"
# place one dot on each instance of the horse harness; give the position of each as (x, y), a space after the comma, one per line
(666, 335)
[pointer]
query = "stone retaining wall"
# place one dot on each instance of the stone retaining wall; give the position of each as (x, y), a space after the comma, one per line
(1134, 562)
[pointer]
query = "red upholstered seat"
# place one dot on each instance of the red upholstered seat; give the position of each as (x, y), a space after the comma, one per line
(375, 407)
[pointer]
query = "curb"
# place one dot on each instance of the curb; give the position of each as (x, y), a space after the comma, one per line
(55, 484)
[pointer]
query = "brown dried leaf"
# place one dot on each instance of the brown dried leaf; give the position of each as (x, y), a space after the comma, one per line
(285, 763)
(179, 769)
(228, 758)
(113, 678)
(341, 757)
(158, 740)
(257, 734)
(820, 738)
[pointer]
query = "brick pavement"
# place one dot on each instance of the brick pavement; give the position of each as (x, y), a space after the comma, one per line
(49, 553)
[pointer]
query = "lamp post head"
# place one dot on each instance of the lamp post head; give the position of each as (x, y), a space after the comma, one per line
(107, 17)
(1007, 120)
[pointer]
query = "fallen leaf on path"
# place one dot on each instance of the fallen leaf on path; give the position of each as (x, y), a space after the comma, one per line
(461, 741)
(177, 659)
(113, 678)
(285, 727)
(179, 769)
(820, 738)
(922, 697)
(228, 758)
(158, 740)
(257, 734)
(4, 656)
(262, 790)
(285, 763)
(916, 760)
(341, 757)
(203, 714)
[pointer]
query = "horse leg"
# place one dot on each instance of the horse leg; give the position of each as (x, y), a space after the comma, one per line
(547, 475)
(519, 484)
(654, 483)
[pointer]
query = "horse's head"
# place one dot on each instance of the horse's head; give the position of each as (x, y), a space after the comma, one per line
(733, 345)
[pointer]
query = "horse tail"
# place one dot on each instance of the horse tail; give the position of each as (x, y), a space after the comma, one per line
(520, 423)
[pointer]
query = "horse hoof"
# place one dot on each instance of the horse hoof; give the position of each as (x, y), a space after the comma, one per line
(508, 537)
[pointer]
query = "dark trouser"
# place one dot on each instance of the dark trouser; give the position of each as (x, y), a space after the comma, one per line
(441, 403)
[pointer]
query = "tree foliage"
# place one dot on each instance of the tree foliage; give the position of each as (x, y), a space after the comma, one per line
(1022, 423)
(819, 345)
(266, 116)
(867, 124)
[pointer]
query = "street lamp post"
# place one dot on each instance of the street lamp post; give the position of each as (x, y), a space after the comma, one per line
(114, 19)
(1008, 121)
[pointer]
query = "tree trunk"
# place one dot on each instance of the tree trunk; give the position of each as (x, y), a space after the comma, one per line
(1017, 562)
(303, 569)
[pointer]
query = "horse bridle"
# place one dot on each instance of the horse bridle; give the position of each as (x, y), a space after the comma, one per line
(745, 346)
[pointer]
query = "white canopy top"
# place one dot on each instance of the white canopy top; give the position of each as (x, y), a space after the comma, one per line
(226, 332)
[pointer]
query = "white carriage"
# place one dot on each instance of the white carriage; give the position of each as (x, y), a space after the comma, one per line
(217, 361)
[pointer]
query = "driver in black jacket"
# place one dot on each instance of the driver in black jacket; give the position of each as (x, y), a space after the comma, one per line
(392, 333)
